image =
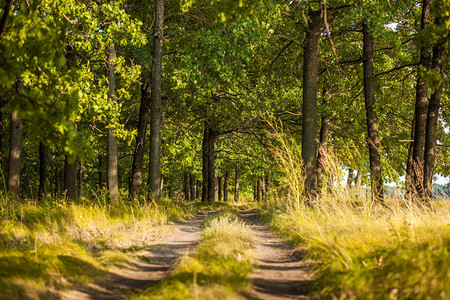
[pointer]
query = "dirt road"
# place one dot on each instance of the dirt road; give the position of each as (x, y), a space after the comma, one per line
(280, 272)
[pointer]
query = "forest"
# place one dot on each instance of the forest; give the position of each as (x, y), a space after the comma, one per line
(224, 149)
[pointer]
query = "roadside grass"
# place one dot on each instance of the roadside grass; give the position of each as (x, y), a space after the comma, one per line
(54, 245)
(364, 250)
(218, 268)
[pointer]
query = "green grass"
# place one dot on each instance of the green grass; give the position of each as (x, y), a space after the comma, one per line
(219, 267)
(53, 245)
(366, 251)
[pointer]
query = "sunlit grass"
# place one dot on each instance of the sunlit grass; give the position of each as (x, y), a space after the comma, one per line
(218, 268)
(54, 245)
(367, 251)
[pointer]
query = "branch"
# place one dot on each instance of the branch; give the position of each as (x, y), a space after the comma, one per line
(5, 16)
(283, 37)
(270, 70)
(395, 69)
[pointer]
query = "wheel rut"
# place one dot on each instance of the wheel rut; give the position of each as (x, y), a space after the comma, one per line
(281, 272)
(155, 265)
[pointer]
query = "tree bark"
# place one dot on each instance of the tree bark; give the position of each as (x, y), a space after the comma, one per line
(42, 171)
(350, 178)
(56, 181)
(432, 119)
(421, 108)
(113, 180)
(155, 109)
(198, 188)
(236, 184)
(100, 172)
(219, 187)
(70, 170)
(138, 157)
(15, 154)
(205, 165)
(373, 141)
(192, 187)
(225, 186)
(258, 190)
(212, 155)
(323, 148)
(70, 179)
(267, 187)
(309, 109)
(186, 188)
(80, 180)
(61, 181)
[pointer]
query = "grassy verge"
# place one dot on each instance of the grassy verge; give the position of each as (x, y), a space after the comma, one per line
(53, 245)
(372, 252)
(219, 267)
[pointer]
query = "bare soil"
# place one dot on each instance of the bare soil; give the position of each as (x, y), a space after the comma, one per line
(153, 266)
(281, 272)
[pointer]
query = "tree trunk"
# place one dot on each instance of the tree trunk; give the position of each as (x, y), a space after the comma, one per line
(80, 180)
(421, 108)
(350, 178)
(100, 172)
(56, 181)
(155, 110)
(309, 109)
(432, 118)
(373, 140)
(255, 192)
(263, 189)
(61, 181)
(219, 186)
(186, 188)
(205, 165)
(138, 157)
(70, 179)
(323, 148)
(409, 167)
(198, 188)
(192, 187)
(258, 190)
(225, 186)
(42, 171)
(113, 181)
(267, 187)
(15, 154)
(358, 180)
(236, 184)
(212, 155)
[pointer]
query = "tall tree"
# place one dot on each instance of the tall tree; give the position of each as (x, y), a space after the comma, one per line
(309, 108)
(421, 106)
(70, 169)
(42, 170)
(113, 181)
(155, 108)
(138, 157)
(15, 154)
(432, 119)
(373, 141)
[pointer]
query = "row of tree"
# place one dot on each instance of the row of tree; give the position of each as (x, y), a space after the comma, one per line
(81, 80)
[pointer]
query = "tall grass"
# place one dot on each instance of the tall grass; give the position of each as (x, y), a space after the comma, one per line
(363, 249)
(53, 245)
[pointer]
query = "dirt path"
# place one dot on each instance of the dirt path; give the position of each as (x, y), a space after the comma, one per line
(280, 272)
(154, 265)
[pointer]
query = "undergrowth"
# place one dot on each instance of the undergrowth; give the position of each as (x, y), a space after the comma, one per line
(53, 245)
(218, 268)
(367, 251)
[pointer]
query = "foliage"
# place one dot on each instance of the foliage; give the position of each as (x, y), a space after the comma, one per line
(394, 251)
